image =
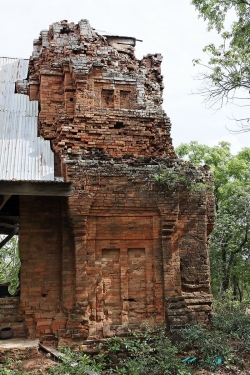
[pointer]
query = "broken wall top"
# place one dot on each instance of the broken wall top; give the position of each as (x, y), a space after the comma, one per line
(95, 95)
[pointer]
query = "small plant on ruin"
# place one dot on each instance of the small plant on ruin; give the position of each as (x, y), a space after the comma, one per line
(183, 175)
(170, 178)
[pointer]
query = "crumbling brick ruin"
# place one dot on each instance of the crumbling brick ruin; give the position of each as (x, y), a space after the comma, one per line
(124, 248)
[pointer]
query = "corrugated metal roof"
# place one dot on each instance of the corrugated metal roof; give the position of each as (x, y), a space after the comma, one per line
(23, 155)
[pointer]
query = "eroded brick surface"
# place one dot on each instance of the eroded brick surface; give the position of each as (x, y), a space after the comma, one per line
(123, 249)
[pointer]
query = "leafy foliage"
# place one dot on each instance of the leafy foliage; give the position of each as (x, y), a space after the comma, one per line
(230, 243)
(183, 174)
(219, 347)
(209, 345)
(230, 317)
(7, 371)
(149, 351)
(11, 367)
(10, 264)
(228, 68)
(216, 157)
(75, 363)
(215, 11)
(152, 353)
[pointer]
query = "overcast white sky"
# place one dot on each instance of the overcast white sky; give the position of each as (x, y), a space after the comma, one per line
(169, 27)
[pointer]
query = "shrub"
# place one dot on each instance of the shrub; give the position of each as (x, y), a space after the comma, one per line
(150, 352)
(212, 347)
(230, 317)
(76, 363)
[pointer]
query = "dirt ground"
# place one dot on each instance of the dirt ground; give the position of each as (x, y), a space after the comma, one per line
(37, 364)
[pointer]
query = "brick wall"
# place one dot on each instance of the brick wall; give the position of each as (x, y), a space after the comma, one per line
(128, 245)
(123, 249)
(47, 268)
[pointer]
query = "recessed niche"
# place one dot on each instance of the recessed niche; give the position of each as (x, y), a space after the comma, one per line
(125, 99)
(119, 125)
(108, 98)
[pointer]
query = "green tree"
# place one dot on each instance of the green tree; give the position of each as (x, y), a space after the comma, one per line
(230, 244)
(227, 74)
(230, 240)
(10, 263)
(216, 157)
(215, 11)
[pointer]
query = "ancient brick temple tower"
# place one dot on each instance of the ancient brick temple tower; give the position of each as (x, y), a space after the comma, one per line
(124, 248)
